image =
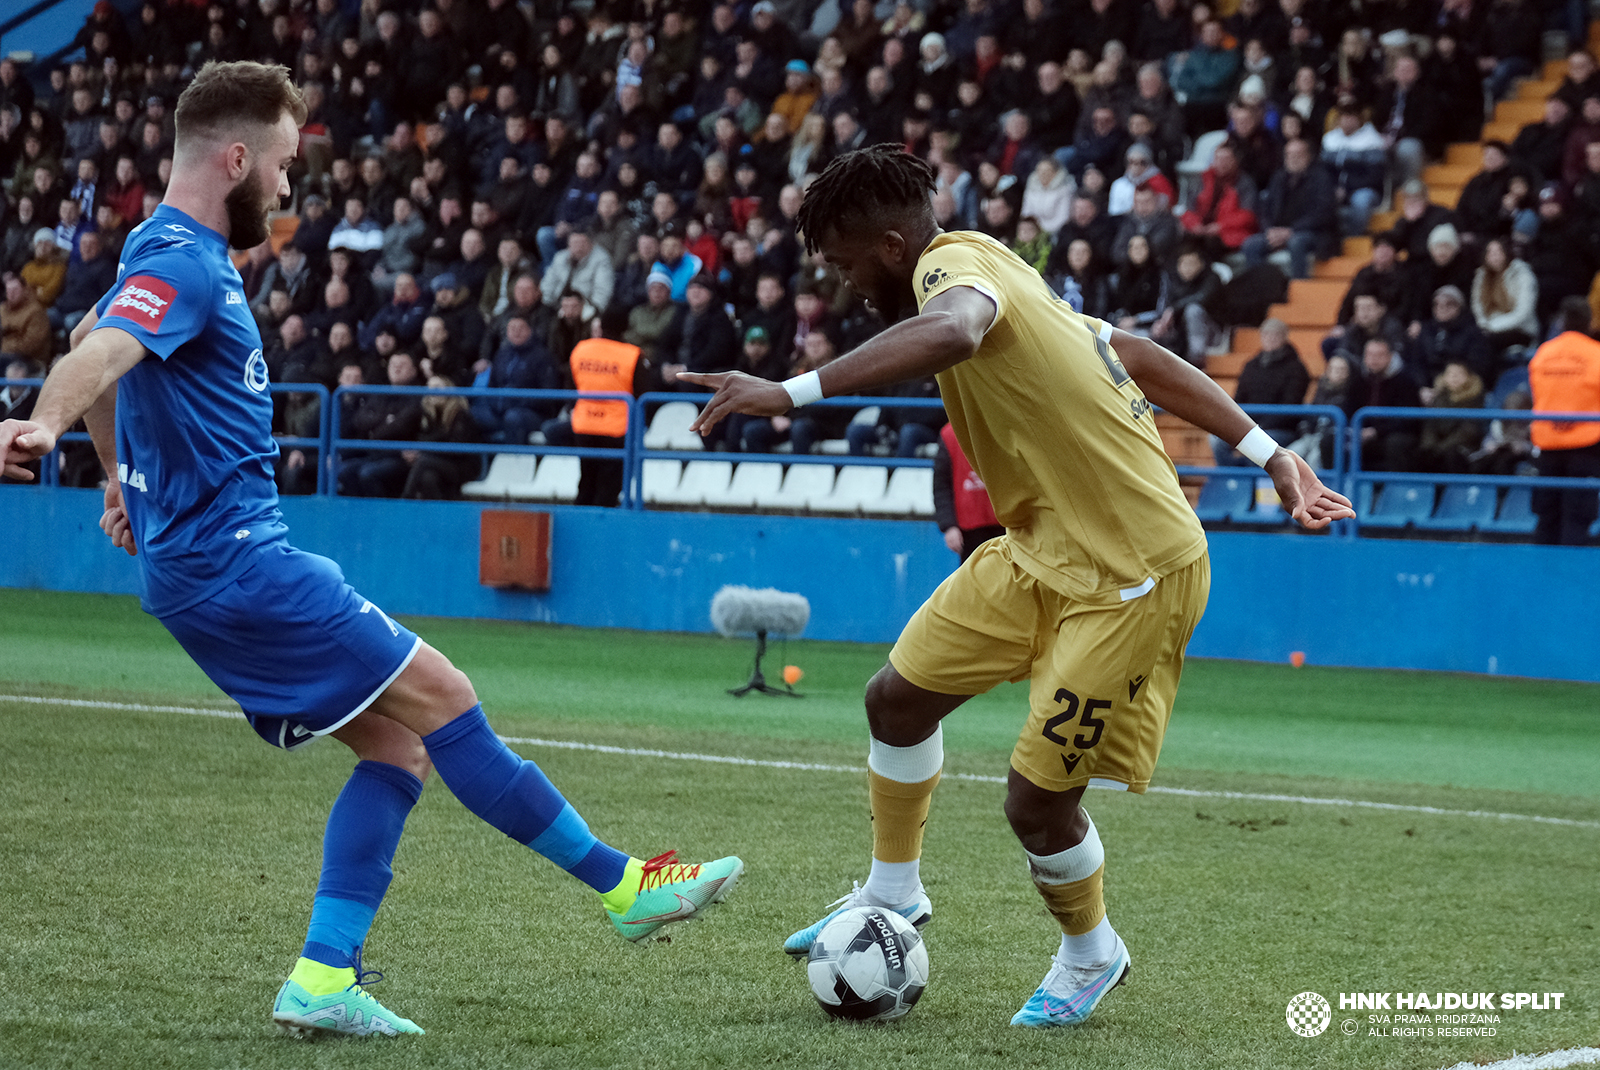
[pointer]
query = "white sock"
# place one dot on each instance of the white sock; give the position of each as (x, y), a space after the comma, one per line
(1093, 948)
(893, 884)
(908, 765)
(1073, 864)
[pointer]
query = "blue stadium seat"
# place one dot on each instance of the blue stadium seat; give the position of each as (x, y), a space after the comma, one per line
(1400, 504)
(1462, 507)
(1594, 529)
(1516, 514)
(1266, 513)
(1225, 497)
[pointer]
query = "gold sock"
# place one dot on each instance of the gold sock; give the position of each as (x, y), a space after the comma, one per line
(1078, 906)
(899, 812)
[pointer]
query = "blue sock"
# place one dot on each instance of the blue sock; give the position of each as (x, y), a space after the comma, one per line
(514, 795)
(363, 831)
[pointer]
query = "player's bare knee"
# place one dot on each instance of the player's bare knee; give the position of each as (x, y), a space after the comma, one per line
(897, 711)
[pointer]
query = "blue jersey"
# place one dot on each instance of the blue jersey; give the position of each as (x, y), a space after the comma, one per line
(195, 450)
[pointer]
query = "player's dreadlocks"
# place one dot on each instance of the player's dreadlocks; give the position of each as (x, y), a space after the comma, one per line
(864, 187)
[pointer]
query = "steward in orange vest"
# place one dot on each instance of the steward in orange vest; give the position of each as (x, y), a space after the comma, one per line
(601, 365)
(1564, 376)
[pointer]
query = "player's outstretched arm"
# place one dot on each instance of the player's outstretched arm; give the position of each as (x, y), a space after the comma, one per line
(946, 332)
(1190, 394)
(75, 384)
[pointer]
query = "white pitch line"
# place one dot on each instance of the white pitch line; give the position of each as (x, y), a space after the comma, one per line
(1555, 1060)
(813, 767)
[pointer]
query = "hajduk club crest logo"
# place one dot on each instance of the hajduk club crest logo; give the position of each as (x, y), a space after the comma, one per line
(1308, 1014)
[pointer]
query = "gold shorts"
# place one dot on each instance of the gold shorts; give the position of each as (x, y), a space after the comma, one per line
(1104, 677)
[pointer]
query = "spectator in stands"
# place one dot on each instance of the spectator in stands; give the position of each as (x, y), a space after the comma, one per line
(445, 418)
(1185, 325)
(1447, 445)
(582, 269)
(1140, 173)
(1085, 283)
(402, 244)
(315, 231)
(1505, 298)
(527, 301)
(1387, 445)
(1369, 318)
(1355, 152)
(1223, 214)
(647, 322)
(1383, 275)
(358, 233)
(1274, 376)
(46, 273)
(1564, 376)
(1445, 265)
(1258, 149)
(87, 282)
(1151, 221)
(1139, 289)
(402, 315)
(292, 274)
(16, 247)
(24, 326)
(1542, 145)
(1448, 333)
(1047, 196)
(16, 402)
(472, 267)
(1479, 206)
(1407, 116)
(382, 417)
(1559, 253)
(523, 362)
(759, 357)
(961, 505)
(510, 262)
(1340, 388)
(1297, 213)
(1419, 216)
(1206, 77)
(699, 338)
(1101, 146)
(1510, 45)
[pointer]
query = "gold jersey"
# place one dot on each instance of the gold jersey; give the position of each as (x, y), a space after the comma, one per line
(1059, 432)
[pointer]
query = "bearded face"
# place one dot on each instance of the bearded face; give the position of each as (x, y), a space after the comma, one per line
(249, 204)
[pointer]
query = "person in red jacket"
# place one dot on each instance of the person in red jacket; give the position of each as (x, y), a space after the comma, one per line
(1223, 214)
(961, 505)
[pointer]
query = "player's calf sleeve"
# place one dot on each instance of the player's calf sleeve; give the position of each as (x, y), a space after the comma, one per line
(513, 795)
(358, 848)
(1071, 884)
(900, 783)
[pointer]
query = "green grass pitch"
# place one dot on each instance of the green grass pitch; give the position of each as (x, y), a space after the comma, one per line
(156, 869)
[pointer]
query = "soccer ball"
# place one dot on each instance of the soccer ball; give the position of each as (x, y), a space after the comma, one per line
(868, 964)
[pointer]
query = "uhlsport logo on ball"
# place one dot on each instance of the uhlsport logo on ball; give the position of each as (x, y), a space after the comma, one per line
(1308, 1014)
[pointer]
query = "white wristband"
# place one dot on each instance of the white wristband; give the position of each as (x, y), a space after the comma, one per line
(804, 389)
(1258, 446)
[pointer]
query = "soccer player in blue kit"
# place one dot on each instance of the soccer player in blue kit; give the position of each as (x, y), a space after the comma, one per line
(167, 373)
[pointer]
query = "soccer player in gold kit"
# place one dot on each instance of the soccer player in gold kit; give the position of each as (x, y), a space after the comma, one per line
(1096, 586)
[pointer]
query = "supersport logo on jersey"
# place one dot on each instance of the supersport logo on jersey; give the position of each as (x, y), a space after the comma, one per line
(144, 300)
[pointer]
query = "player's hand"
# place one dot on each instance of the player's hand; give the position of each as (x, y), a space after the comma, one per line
(1312, 505)
(22, 441)
(114, 521)
(736, 392)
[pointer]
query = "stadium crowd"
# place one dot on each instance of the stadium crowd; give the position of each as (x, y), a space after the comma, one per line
(482, 185)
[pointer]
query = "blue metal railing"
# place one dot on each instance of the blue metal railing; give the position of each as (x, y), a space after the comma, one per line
(1344, 472)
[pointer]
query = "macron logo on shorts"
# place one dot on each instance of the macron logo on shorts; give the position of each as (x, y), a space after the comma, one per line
(144, 300)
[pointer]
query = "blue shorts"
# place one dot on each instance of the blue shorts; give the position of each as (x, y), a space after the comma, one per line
(294, 645)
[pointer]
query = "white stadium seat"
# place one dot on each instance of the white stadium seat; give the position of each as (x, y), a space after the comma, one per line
(510, 476)
(702, 480)
(669, 428)
(805, 487)
(660, 479)
(857, 485)
(752, 482)
(557, 480)
(910, 492)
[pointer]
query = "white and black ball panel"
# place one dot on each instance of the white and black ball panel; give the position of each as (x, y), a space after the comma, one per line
(868, 964)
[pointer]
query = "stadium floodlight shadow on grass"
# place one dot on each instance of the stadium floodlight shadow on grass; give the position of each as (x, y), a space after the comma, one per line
(738, 610)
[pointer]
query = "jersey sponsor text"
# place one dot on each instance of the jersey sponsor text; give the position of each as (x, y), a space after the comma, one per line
(143, 300)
